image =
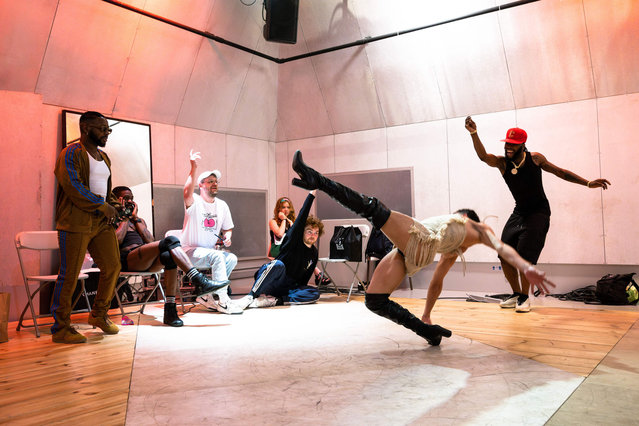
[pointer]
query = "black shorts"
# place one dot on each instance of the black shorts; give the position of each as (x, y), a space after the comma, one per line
(527, 234)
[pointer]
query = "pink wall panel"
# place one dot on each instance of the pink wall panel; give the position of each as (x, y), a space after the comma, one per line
(301, 111)
(613, 37)
(548, 58)
(212, 149)
(214, 87)
(163, 154)
(618, 130)
(157, 72)
(24, 31)
(25, 169)
(86, 55)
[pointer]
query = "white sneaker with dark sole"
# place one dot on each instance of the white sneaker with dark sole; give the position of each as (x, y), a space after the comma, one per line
(511, 302)
(263, 301)
(523, 307)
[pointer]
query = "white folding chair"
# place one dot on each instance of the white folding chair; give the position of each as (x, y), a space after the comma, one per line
(41, 241)
(130, 278)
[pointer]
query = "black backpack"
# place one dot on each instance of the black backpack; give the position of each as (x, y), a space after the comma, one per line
(617, 289)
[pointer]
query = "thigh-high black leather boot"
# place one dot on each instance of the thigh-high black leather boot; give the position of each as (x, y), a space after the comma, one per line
(383, 306)
(369, 208)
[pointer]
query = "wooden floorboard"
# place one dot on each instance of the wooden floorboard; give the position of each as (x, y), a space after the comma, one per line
(42, 382)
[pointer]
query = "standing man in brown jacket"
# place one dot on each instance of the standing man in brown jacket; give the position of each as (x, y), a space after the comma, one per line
(85, 212)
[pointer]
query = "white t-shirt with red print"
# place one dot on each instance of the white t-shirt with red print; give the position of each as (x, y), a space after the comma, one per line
(204, 222)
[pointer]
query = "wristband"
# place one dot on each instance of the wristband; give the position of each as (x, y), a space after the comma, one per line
(473, 132)
(588, 184)
(137, 220)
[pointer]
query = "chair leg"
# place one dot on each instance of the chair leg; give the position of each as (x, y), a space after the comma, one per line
(410, 282)
(30, 306)
(158, 286)
(117, 294)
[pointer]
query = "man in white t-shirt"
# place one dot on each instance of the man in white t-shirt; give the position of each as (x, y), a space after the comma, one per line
(206, 234)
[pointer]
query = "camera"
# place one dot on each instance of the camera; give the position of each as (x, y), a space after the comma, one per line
(127, 209)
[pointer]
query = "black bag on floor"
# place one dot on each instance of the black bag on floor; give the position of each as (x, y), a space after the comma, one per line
(346, 243)
(378, 244)
(617, 289)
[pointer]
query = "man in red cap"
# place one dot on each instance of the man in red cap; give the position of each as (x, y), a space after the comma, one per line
(527, 226)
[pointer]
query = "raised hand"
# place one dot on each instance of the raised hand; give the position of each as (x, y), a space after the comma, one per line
(537, 278)
(193, 157)
(470, 124)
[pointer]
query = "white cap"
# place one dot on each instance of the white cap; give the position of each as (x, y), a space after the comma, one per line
(217, 173)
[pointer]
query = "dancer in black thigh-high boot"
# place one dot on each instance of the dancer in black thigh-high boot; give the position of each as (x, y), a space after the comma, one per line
(415, 247)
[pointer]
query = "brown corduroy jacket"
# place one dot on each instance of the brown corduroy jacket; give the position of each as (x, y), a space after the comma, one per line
(75, 203)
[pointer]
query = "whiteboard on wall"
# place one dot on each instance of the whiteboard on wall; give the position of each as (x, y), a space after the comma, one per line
(394, 187)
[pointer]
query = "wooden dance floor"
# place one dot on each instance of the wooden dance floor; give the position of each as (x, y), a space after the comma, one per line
(332, 363)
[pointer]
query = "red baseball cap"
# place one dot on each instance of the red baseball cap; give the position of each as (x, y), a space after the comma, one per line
(516, 136)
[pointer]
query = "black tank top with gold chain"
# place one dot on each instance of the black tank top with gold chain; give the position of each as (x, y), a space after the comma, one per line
(526, 186)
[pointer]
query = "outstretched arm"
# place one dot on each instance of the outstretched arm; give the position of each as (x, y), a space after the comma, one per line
(446, 261)
(490, 159)
(189, 185)
(536, 277)
(567, 175)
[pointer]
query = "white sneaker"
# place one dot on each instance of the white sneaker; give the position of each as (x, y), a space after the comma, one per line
(207, 301)
(523, 307)
(263, 301)
(510, 302)
(224, 305)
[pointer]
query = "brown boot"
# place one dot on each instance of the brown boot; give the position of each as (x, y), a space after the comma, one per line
(104, 323)
(68, 335)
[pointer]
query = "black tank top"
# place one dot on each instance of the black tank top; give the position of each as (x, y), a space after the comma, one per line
(526, 187)
(131, 240)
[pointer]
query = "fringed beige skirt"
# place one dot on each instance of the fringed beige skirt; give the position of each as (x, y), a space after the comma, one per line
(423, 243)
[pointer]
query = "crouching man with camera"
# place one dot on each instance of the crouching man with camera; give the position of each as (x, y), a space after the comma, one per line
(140, 253)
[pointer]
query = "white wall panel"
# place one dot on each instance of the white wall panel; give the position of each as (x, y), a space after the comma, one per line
(247, 163)
(325, 24)
(256, 110)
(618, 130)
(474, 184)
(24, 30)
(366, 150)
(349, 92)
(282, 170)
(613, 37)
(319, 153)
(548, 58)
(301, 111)
(405, 80)
(471, 66)
(87, 54)
(423, 147)
(566, 134)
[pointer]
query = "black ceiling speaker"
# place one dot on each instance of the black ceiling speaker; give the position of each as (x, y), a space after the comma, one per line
(281, 21)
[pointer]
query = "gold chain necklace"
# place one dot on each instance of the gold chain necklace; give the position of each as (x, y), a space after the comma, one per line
(514, 171)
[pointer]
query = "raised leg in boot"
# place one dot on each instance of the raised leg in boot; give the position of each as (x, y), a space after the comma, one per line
(369, 208)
